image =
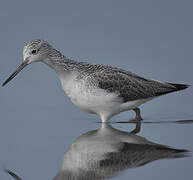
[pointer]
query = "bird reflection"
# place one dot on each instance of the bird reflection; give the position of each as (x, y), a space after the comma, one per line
(104, 153)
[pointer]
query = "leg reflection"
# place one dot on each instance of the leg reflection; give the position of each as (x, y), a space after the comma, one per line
(137, 128)
(138, 114)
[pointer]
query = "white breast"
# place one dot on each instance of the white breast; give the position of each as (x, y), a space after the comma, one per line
(92, 100)
(95, 100)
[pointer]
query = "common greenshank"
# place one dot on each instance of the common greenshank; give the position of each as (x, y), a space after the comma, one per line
(96, 88)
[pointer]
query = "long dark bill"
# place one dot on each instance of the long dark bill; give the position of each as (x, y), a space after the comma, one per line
(13, 174)
(25, 63)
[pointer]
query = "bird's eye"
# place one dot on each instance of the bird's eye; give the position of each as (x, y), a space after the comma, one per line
(34, 51)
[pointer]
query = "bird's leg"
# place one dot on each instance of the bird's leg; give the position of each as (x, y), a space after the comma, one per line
(138, 114)
(137, 128)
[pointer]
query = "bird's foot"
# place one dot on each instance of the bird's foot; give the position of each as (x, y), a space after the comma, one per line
(138, 114)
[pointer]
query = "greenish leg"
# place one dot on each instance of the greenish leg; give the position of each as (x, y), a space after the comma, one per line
(138, 114)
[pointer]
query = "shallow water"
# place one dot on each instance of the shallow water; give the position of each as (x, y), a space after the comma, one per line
(116, 150)
(38, 124)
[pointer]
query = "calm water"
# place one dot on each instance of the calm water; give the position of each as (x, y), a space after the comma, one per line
(38, 124)
(149, 150)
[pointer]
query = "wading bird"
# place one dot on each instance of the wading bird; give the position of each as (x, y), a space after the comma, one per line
(96, 88)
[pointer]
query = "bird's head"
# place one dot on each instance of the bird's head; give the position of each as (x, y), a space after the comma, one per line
(34, 51)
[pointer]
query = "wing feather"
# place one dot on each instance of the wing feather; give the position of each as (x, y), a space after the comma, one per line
(128, 85)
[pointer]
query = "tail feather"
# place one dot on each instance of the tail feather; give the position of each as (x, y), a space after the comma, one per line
(179, 86)
(174, 87)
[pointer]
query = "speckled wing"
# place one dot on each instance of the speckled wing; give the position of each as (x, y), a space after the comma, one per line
(129, 86)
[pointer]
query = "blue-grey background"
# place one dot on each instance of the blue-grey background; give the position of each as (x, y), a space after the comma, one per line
(38, 123)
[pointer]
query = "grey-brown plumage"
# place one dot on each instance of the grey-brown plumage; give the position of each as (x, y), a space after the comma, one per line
(98, 89)
(129, 86)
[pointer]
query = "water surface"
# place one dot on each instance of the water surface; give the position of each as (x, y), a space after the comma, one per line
(122, 150)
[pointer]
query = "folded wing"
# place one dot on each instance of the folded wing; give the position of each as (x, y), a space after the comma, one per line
(131, 87)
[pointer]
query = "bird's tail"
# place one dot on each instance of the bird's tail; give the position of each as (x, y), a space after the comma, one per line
(173, 87)
(179, 86)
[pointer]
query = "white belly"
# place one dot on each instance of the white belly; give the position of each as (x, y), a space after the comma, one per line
(96, 101)
(92, 101)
